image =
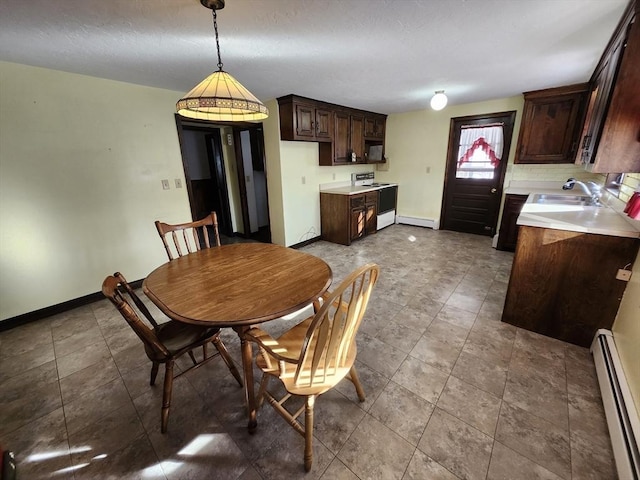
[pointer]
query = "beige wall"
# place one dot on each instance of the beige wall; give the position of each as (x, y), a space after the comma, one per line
(626, 332)
(81, 164)
(294, 206)
(417, 141)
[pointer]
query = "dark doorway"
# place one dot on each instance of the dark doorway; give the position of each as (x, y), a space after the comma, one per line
(203, 146)
(252, 179)
(476, 165)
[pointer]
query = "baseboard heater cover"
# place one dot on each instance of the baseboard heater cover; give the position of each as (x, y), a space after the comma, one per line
(418, 222)
(621, 413)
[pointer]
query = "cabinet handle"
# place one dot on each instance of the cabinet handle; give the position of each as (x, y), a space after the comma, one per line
(493, 190)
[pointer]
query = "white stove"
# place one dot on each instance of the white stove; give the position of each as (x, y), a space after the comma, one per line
(387, 197)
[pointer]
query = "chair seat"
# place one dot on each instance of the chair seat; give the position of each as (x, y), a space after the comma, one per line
(289, 346)
(176, 336)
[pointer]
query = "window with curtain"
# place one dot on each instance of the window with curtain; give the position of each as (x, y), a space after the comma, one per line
(479, 151)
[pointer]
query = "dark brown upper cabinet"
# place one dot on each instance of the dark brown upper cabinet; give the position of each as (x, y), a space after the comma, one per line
(610, 140)
(374, 126)
(344, 135)
(302, 119)
(551, 124)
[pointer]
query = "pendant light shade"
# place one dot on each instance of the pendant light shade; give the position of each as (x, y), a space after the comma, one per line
(439, 100)
(220, 97)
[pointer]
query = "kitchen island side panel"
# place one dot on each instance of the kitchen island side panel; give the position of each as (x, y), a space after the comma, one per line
(563, 284)
(334, 218)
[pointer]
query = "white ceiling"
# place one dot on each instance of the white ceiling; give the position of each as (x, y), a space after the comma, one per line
(385, 56)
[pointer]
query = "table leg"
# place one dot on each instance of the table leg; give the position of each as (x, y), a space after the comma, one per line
(247, 367)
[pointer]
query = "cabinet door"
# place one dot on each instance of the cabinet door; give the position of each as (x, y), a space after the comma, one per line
(618, 149)
(357, 137)
(369, 127)
(508, 237)
(341, 150)
(598, 102)
(371, 218)
(358, 223)
(551, 125)
(324, 127)
(305, 116)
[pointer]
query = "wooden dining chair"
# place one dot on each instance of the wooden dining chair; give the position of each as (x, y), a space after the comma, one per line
(191, 235)
(165, 342)
(316, 354)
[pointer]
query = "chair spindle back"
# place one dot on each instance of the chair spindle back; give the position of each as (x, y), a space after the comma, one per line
(331, 335)
(189, 236)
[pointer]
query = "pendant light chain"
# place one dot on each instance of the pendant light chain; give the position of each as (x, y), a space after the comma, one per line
(215, 28)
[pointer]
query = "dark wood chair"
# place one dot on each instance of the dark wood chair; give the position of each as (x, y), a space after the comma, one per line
(316, 354)
(165, 342)
(203, 232)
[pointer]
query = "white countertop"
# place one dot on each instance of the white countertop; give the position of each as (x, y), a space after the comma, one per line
(352, 190)
(574, 218)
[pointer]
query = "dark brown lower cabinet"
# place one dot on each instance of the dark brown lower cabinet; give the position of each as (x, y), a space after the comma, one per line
(508, 236)
(563, 284)
(344, 218)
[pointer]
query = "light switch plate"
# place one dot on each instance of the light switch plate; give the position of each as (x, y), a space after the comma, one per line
(623, 275)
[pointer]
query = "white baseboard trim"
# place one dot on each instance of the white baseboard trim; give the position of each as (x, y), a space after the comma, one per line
(418, 222)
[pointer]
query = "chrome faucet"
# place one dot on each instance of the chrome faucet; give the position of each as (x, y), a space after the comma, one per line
(593, 190)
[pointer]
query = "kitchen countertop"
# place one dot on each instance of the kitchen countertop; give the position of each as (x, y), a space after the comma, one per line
(574, 218)
(353, 190)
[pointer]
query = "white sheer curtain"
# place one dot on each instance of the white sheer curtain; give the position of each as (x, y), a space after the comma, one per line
(488, 138)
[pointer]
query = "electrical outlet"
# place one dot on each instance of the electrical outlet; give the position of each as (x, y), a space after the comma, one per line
(623, 275)
(178, 183)
(165, 184)
(229, 139)
(334, 176)
(304, 180)
(428, 169)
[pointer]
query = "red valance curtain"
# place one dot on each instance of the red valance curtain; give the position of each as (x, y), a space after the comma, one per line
(489, 139)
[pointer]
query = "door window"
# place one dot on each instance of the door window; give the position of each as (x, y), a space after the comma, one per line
(479, 151)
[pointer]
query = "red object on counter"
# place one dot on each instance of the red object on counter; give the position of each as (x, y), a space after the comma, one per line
(633, 206)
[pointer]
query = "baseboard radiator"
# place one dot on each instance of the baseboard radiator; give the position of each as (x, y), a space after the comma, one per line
(622, 416)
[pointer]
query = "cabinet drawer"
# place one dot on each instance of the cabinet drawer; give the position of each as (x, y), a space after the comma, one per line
(357, 201)
(371, 197)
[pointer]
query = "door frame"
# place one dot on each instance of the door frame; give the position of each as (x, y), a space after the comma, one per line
(257, 148)
(208, 129)
(453, 144)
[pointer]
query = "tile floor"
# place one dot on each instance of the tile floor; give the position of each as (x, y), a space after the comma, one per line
(451, 391)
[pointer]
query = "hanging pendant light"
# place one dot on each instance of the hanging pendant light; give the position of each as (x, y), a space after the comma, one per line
(220, 97)
(439, 100)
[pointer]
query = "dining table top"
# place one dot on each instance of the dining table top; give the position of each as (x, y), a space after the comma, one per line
(237, 285)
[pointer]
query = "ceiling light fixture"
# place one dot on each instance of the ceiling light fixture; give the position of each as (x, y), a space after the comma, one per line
(439, 100)
(220, 97)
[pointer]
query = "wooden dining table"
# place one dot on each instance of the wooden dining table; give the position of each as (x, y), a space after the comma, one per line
(238, 286)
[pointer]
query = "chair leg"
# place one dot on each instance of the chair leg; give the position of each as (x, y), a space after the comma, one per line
(166, 395)
(193, 358)
(308, 432)
(356, 382)
(154, 373)
(228, 360)
(263, 388)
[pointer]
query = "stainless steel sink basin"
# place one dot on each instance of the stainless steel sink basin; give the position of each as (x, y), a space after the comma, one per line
(553, 199)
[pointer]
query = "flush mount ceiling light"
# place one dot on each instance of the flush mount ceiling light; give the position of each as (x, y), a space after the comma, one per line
(220, 97)
(439, 100)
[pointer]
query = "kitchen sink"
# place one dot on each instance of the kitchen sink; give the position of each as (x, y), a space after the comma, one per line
(554, 199)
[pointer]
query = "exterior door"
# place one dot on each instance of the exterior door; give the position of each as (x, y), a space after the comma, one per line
(476, 164)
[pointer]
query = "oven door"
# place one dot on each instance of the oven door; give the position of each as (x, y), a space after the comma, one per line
(387, 199)
(387, 206)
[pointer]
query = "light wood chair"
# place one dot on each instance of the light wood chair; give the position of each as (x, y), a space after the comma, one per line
(316, 354)
(199, 230)
(165, 342)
